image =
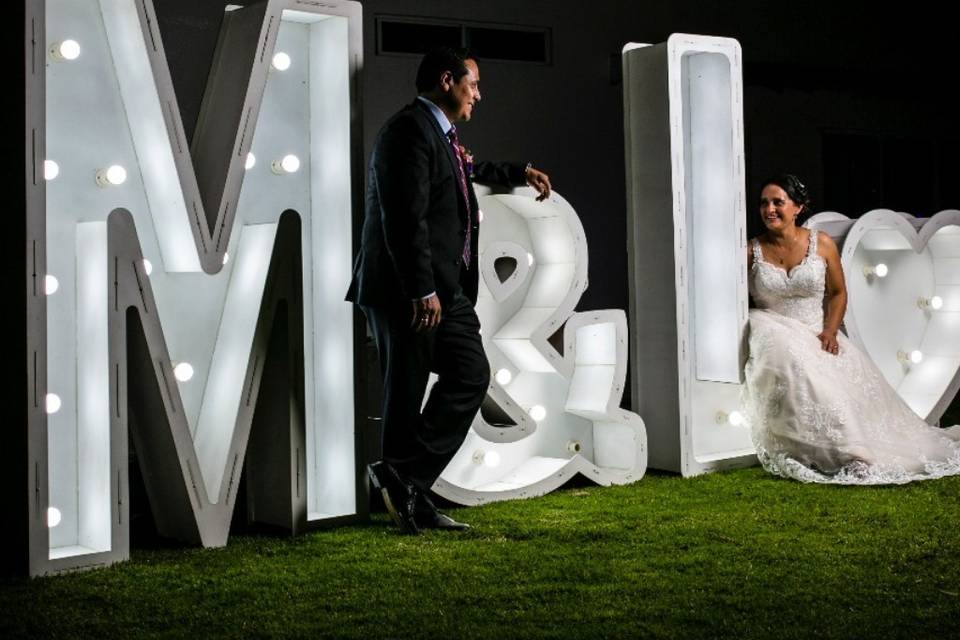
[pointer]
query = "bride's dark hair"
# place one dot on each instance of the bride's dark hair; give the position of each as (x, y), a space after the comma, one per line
(794, 188)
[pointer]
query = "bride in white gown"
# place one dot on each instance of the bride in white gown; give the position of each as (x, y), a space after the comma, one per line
(819, 409)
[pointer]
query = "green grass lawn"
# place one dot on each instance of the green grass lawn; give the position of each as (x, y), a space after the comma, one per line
(737, 554)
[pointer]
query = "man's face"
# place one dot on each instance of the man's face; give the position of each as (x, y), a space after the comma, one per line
(462, 95)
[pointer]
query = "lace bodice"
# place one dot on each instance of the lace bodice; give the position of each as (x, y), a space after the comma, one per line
(797, 294)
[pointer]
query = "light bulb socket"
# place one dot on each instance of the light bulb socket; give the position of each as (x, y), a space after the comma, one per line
(910, 357)
(64, 51)
(879, 270)
(112, 176)
(489, 459)
(285, 165)
(934, 303)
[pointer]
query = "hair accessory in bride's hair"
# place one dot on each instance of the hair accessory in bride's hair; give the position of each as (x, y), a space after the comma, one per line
(795, 189)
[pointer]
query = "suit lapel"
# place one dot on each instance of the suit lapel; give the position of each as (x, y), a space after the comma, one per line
(448, 150)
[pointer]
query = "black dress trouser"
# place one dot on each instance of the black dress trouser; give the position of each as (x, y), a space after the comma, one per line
(420, 444)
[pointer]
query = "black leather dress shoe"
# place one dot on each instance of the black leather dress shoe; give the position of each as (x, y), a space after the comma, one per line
(428, 516)
(437, 520)
(399, 496)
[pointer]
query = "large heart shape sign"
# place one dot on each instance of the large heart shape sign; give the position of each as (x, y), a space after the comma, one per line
(903, 281)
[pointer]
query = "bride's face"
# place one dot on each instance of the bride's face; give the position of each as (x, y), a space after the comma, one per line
(777, 210)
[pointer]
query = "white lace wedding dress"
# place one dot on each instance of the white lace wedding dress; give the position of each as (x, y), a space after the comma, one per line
(818, 417)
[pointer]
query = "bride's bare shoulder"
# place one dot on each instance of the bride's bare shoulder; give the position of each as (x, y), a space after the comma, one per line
(825, 244)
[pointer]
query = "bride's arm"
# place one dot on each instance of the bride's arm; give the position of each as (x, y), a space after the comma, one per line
(836, 292)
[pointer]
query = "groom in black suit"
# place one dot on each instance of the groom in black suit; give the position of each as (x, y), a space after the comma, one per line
(416, 280)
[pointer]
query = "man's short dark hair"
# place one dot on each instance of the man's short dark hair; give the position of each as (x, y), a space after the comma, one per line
(439, 60)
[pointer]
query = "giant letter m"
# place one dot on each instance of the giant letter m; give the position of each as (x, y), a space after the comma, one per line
(190, 296)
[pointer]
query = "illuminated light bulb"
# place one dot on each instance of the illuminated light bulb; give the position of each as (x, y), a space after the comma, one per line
(538, 413)
(281, 61)
(226, 257)
(183, 371)
(574, 446)
(288, 164)
(503, 376)
(50, 284)
(880, 270)
(250, 161)
(50, 170)
(52, 403)
(910, 357)
(53, 517)
(529, 259)
(733, 418)
(933, 302)
(112, 176)
(488, 459)
(65, 51)
(147, 266)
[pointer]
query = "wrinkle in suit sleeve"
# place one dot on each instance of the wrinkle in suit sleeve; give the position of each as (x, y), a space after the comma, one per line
(507, 174)
(402, 168)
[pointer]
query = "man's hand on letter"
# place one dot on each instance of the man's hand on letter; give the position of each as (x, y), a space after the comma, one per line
(426, 314)
(539, 181)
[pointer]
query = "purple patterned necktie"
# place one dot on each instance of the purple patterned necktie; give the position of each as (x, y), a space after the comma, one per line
(461, 174)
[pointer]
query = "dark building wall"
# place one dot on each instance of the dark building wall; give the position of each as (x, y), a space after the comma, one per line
(811, 69)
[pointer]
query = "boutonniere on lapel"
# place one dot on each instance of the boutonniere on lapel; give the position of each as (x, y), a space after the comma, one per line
(467, 160)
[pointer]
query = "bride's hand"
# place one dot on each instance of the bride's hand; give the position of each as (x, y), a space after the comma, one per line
(828, 340)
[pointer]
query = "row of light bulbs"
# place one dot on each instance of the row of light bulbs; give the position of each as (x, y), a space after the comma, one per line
(503, 377)
(491, 459)
(935, 303)
(115, 175)
(182, 371)
(51, 284)
(69, 50)
(880, 270)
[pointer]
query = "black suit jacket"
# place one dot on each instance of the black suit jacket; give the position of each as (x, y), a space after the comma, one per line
(416, 217)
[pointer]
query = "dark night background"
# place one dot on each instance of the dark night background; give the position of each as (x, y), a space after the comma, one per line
(854, 98)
